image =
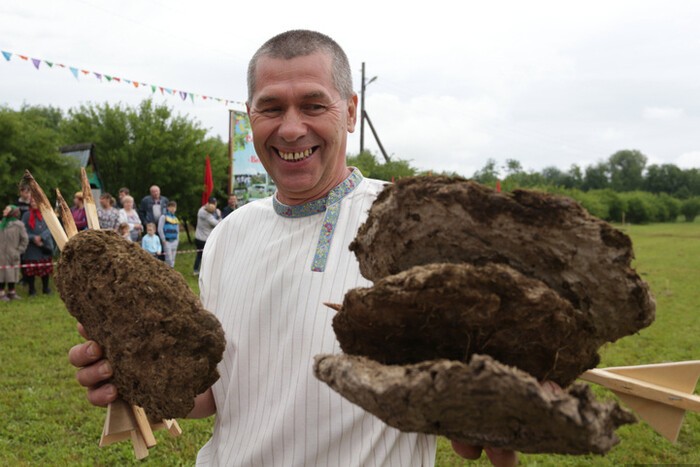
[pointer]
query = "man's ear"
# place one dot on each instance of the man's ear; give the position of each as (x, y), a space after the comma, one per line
(352, 113)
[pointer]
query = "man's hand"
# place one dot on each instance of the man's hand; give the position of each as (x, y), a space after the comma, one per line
(93, 371)
(498, 457)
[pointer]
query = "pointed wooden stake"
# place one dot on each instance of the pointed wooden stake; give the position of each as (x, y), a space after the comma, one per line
(660, 393)
(89, 202)
(52, 222)
(66, 215)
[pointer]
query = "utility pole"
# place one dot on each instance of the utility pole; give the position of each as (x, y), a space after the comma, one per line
(362, 107)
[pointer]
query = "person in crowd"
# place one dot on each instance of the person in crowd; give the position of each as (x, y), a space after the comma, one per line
(123, 191)
(169, 233)
(208, 217)
(230, 206)
(24, 199)
(153, 206)
(13, 242)
(78, 212)
(38, 258)
(150, 242)
(130, 216)
(123, 230)
(107, 214)
(301, 105)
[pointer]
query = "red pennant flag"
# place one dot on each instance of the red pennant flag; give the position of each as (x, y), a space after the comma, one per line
(136, 85)
(23, 57)
(498, 186)
(85, 72)
(117, 79)
(208, 181)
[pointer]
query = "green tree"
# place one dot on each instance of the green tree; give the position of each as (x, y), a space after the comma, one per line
(596, 177)
(665, 178)
(690, 209)
(29, 140)
(488, 174)
(370, 167)
(626, 170)
(145, 145)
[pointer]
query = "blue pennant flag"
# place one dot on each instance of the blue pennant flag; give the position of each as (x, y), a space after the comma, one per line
(7, 55)
(74, 71)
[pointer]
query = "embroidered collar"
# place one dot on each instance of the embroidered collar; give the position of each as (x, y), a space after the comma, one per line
(331, 206)
(320, 205)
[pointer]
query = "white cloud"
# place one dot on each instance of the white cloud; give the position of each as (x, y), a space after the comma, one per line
(662, 113)
(689, 160)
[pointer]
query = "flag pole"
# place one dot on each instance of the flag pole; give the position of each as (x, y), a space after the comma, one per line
(230, 151)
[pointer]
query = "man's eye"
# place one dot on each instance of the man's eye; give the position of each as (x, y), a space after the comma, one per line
(270, 111)
(313, 109)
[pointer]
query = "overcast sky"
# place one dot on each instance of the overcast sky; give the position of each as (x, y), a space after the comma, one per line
(549, 83)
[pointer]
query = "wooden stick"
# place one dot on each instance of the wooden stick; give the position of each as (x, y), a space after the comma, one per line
(89, 202)
(144, 425)
(66, 215)
(52, 222)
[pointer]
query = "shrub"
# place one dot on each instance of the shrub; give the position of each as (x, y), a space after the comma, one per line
(690, 209)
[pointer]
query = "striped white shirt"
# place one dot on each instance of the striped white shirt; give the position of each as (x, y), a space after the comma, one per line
(271, 411)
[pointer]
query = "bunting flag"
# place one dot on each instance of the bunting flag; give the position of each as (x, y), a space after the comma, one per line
(75, 71)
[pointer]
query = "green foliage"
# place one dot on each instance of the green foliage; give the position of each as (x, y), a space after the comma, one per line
(626, 170)
(690, 209)
(488, 174)
(371, 168)
(29, 140)
(147, 145)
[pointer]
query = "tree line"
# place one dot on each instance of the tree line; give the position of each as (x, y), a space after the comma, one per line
(135, 147)
(148, 144)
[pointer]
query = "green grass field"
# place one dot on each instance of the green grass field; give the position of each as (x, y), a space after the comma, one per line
(45, 419)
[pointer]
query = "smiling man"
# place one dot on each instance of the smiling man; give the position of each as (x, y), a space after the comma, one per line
(269, 267)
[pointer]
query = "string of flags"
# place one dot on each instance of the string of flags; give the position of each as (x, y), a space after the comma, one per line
(102, 77)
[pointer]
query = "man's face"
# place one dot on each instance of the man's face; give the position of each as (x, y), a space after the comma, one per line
(155, 192)
(232, 201)
(104, 202)
(300, 125)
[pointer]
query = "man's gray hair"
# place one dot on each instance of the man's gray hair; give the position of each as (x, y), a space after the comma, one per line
(299, 43)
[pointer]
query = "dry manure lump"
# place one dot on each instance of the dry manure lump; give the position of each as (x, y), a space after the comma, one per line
(161, 343)
(523, 287)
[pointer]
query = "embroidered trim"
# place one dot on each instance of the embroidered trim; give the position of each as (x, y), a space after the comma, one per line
(331, 206)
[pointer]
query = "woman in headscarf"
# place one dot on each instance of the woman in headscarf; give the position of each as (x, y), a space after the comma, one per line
(13, 242)
(38, 259)
(78, 211)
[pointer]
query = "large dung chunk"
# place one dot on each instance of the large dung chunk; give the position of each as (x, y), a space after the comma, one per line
(163, 346)
(453, 311)
(425, 220)
(483, 403)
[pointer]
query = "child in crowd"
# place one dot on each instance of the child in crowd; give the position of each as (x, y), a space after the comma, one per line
(150, 242)
(123, 230)
(169, 232)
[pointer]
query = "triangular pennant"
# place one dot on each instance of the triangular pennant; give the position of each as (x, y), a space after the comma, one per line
(74, 71)
(98, 76)
(169, 91)
(161, 89)
(36, 62)
(85, 72)
(204, 98)
(136, 84)
(7, 55)
(61, 65)
(118, 80)
(23, 57)
(109, 78)
(183, 95)
(127, 81)
(192, 97)
(153, 88)
(50, 64)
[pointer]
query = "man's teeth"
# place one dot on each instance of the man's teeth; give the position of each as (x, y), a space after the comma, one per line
(295, 156)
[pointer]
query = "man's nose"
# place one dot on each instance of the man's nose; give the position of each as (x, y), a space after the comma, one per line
(292, 126)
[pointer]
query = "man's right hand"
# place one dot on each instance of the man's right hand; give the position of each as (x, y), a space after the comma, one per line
(94, 371)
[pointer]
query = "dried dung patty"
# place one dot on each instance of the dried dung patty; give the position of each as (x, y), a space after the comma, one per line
(482, 403)
(453, 311)
(161, 343)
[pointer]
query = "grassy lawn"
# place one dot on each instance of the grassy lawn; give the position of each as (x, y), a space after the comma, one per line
(46, 420)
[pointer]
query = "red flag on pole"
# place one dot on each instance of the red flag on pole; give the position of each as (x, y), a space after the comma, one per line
(498, 186)
(208, 182)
